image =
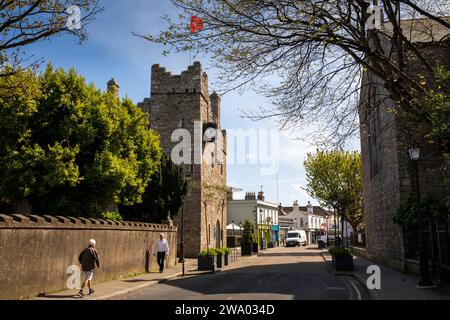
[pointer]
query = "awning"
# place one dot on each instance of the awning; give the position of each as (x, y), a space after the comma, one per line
(233, 226)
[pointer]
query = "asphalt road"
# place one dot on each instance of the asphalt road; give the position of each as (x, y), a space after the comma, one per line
(280, 274)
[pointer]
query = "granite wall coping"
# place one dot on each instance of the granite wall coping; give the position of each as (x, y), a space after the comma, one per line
(19, 221)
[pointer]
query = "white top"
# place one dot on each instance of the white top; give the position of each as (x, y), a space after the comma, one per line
(162, 246)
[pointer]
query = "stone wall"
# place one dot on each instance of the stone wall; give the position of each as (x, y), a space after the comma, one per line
(35, 251)
(381, 191)
(384, 191)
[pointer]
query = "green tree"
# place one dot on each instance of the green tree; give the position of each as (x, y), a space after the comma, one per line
(69, 148)
(248, 235)
(335, 179)
(164, 195)
(436, 110)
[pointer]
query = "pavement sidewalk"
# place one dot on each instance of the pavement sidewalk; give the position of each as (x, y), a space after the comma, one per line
(395, 285)
(110, 289)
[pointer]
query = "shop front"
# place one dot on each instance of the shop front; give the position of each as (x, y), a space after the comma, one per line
(275, 235)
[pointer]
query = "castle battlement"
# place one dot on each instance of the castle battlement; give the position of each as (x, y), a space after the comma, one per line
(182, 101)
(192, 80)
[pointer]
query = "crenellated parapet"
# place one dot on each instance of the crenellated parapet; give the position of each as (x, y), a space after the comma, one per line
(192, 80)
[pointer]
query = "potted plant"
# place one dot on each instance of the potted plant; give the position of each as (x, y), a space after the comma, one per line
(232, 241)
(342, 259)
(219, 257)
(206, 260)
(321, 244)
(226, 256)
(247, 239)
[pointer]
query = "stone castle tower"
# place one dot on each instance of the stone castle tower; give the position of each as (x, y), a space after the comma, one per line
(182, 103)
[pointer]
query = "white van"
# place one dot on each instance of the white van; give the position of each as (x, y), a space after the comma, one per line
(296, 238)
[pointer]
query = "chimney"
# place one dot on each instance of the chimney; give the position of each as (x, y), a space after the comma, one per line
(310, 207)
(113, 87)
(261, 195)
(215, 106)
(295, 206)
(250, 196)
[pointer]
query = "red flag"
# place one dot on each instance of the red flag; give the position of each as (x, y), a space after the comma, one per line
(196, 24)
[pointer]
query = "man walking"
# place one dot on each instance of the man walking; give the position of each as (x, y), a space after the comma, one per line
(88, 259)
(162, 248)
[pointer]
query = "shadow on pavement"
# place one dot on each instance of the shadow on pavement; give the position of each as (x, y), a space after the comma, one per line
(60, 296)
(142, 280)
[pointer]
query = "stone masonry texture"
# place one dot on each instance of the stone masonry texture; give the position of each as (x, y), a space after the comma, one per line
(35, 251)
(179, 102)
(384, 191)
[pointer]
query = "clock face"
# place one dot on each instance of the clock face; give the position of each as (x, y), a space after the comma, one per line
(210, 135)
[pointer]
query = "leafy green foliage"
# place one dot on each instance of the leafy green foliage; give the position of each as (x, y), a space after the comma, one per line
(208, 253)
(339, 252)
(335, 179)
(164, 194)
(112, 215)
(438, 106)
(220, 251)
(412, 214)
(69, 148)
(248, 235)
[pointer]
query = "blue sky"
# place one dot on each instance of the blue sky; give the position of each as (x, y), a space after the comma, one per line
(112, 51)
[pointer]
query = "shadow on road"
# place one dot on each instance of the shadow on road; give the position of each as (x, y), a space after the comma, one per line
(299, 281)
(287, 254)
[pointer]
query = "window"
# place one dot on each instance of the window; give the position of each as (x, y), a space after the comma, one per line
(301, 222)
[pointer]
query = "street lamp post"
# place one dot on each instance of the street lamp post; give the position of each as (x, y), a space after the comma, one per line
(425, 280)
(182, 241)
(260, 226)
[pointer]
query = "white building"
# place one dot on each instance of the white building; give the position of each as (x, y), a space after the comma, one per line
(312, 219)
(262, 214)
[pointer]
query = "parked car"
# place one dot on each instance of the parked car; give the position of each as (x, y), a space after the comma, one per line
(296, 238)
